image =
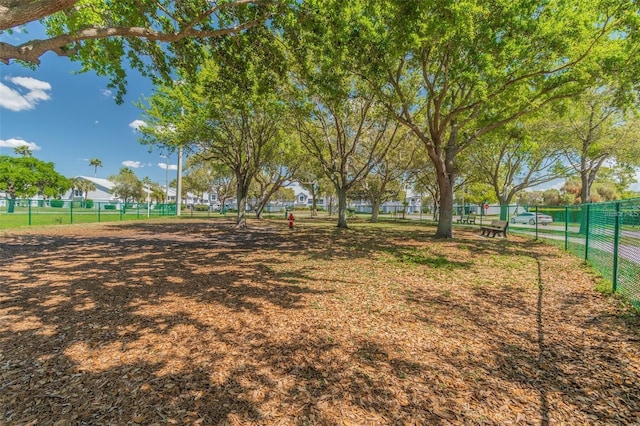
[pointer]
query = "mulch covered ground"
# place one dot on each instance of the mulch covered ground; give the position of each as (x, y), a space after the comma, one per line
(192, 322)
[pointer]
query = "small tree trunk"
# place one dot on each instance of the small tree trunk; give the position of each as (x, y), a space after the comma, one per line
(314, 204)
(259, 209)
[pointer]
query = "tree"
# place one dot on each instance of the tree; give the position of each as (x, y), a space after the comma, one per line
(197, 178)
(233, 111)
(388, 177)
(284, 195)
(271, 178)
(595, 130)
(224, 186)
(516, 157)
(348, 136)
(95, 163)
(452, 72)
(311, 178)
(340, 120)
(158, 194)
(28, 176)
(153, 37)
(127, 186)
(85, 186)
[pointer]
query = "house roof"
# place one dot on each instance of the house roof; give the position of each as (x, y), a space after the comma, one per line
(103, 184)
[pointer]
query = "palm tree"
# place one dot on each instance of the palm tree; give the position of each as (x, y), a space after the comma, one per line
(75, 184)
(158, 194)
(95, 163)
(23, 150)
(85, 186)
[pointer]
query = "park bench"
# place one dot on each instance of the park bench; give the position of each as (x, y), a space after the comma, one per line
(470, 218)
(494, 228)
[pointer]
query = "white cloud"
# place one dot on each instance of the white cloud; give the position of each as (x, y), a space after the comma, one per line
(25, 94)
(14, 143)
(107, 93)
(136, 124)
(164, 166)
(132, 164)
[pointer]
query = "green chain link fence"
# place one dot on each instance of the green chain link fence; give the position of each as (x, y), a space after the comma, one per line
(607, 235)
(25, 212)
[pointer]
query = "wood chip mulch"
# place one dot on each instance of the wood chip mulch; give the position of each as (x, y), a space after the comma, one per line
(194, 322)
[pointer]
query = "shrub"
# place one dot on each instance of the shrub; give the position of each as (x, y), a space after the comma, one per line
(201, 207)
(110, 207)
(56, 203)
(88, 204)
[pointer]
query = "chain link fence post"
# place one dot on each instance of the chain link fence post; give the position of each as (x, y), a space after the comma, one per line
(616, 246)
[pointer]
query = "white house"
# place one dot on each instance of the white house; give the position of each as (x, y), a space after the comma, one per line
(304, 198)
(413, 204)
(102, 193)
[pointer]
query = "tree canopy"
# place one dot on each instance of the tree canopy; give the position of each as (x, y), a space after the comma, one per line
(27, 176)
(127, 186)
(152, 36)
(461, 77)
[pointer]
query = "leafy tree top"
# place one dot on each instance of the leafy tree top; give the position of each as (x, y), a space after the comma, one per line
(28, 176)
(154, 36)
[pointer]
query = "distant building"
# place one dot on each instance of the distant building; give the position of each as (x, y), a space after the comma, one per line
(102, 193)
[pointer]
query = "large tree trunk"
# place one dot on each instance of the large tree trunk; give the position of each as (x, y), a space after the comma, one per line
(342, 207)
(445, 177)
(375, 206)
(504, 207)
(445, 218)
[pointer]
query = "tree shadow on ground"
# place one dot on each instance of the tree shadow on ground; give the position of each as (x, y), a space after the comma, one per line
(187, 322)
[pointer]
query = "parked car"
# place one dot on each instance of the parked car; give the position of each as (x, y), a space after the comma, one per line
(532, 218)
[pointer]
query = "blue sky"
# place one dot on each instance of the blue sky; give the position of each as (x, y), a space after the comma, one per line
(69, 118)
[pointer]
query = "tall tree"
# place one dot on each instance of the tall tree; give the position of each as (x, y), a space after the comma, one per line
(95, 163)
(275, 173)
(518, 156)
(340, 120)
(595, 129)
(453, 71)
(127, 186)
(233, 111)
(387, 179)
